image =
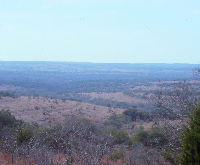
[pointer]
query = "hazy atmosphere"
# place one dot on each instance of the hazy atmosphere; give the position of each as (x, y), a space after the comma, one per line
(117, 31)
(99, 82)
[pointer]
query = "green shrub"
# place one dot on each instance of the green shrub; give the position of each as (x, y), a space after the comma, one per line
(165, 114)
(141, 137)
(153, 137)
(117, 155)
(157, 137)
(25, 134)
(191, 140)
(117, 121)
(8, 120)
(135, 114)
(120, 136)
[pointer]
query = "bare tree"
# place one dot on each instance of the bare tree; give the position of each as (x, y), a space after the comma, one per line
(176, 101)
(77, 141)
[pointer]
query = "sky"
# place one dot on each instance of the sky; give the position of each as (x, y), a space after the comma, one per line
(110, 31)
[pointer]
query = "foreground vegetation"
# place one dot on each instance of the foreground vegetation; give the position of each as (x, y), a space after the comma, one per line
(78, 141)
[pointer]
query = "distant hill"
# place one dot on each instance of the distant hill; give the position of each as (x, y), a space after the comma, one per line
(57, 77)
(93, 67)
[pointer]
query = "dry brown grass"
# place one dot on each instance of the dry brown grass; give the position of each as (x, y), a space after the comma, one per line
(45, 110)
(117, 96)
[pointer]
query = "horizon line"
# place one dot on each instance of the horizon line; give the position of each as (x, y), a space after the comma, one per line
(91, 62)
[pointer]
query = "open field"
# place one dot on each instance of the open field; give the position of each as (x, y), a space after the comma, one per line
(45, 110)
(117, 96)
(95, 106)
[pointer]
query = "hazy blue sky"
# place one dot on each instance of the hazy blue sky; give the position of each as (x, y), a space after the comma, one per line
(100, 30)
